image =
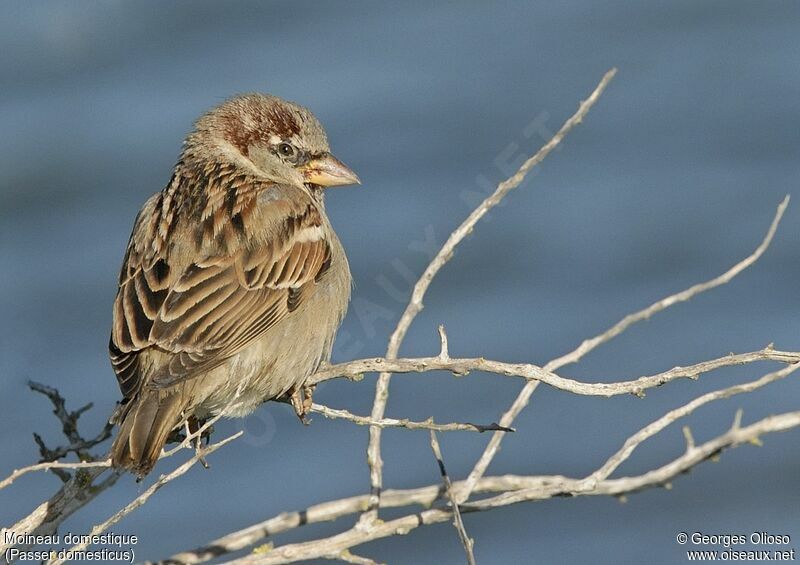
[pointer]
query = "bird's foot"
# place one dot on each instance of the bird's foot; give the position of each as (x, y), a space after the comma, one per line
(192, 426)
(200, 453)
(189, 427)
(308, 400)
(301, 400)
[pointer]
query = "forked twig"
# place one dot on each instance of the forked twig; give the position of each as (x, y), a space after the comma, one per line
(442, 257)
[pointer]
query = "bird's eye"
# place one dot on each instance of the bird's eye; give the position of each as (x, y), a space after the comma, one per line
(286, 150)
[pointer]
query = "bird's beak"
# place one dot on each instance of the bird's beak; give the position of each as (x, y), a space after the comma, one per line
(327, 170)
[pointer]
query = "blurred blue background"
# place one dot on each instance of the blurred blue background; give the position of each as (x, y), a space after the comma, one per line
(672, 178)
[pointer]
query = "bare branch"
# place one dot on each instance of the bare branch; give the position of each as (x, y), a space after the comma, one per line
(332, 510)
(76, 493)
(354, 369)
(466, 541)
(49, 465)
(652, 429)
(442, 257)
(429, 424)
(513, 488)
(52, 465)
(460, 367)
(540, 488)
(661, 476)
(142, 498)
(588, 345)
(69, 427)
(79, 488)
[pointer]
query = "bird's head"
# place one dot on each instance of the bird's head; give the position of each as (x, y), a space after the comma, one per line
(282, 140)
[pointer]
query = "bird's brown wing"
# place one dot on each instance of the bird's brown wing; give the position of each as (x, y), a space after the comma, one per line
(218, 304)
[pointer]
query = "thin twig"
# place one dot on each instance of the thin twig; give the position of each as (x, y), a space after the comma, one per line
(655, 427)
(69, 427)
(142, 498)
(657, 477)
(588, 345)
(52, 465)
(49, 465)
(415, 304)
(466, 541)
(429, 424)
(69, 420)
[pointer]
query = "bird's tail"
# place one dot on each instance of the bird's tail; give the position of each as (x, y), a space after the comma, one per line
(144, 429)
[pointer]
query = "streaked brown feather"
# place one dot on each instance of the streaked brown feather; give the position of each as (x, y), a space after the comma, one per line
(218, 304)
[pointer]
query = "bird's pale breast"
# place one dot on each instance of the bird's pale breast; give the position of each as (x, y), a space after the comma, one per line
(288, 353)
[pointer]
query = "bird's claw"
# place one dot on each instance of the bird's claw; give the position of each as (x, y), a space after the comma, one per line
(192, 425)
(301, 400)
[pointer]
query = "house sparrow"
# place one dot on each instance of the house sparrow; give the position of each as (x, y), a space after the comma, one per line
(234, 282)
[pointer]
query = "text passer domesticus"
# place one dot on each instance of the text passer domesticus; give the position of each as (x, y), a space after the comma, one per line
(234, 282)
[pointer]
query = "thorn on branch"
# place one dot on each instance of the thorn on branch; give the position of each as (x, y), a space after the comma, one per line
(737, 420)
(687, 433)
(444, 353)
